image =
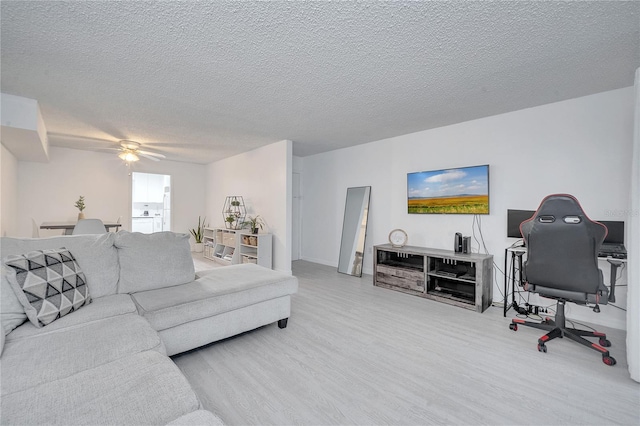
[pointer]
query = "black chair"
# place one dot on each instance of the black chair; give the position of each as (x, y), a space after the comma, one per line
(562, 264)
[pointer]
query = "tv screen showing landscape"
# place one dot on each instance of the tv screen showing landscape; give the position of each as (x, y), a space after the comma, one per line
(463, 190)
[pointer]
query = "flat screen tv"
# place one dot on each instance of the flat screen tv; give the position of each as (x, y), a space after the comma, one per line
(463, 190)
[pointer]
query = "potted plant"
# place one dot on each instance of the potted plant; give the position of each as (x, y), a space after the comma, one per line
(80, 206)
(230, 219)
(253, 223)
(198, 233)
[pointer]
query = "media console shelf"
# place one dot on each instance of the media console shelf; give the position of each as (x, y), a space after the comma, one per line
(464, 280)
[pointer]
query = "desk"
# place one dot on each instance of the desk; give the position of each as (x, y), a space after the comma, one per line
(517, 253)
(67, 227)
(516, 256)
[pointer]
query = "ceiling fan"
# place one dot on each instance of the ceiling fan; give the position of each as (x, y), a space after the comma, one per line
(130, 151)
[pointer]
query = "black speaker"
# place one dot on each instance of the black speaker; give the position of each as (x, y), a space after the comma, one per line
(457, 243)
(466, 244)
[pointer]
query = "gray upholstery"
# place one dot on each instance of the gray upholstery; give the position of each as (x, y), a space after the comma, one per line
(222, 290)
(12, 312)
(63, 353)
(98, 309)
(106, 363)
(95, 254)
(211, 329)
(146, 388)
(563, 251)
(151, 261)
(199, 417)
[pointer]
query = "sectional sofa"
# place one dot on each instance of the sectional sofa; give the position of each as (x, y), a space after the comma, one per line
(89, 323)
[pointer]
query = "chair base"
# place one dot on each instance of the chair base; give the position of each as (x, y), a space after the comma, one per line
(558, 328)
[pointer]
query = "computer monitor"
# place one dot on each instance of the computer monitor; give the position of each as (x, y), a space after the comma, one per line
(615, 234)
(514, 219)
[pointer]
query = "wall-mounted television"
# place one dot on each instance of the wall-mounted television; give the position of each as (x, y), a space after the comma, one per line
(463, 190)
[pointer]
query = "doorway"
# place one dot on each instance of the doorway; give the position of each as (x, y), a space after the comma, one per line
(296, 226)
(150, 203)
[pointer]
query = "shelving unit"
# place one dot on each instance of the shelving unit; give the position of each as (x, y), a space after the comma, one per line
(459, 279)
(256, 248)
(230, 247)
(208, 242)
(220, 245)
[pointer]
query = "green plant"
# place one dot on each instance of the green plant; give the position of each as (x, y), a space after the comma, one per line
(253, 222)
(199, 230)
(80, 203)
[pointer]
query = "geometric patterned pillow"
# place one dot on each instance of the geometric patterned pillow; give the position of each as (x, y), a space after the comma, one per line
(49, 284)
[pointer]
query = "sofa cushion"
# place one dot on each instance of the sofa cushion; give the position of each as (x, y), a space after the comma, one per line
(222, 290)
(49, 283)
(199, 417)
(95, 254)
(11, 310)
(141, 389)
(149, 261)
(55, 355)
(100, 308)
(2, 339)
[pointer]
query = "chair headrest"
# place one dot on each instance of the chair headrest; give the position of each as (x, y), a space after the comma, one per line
(561, 207)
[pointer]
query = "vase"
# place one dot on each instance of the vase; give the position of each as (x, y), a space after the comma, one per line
(197, 247)
(80, 215)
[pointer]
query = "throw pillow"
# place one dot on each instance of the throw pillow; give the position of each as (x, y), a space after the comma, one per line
(50, 284)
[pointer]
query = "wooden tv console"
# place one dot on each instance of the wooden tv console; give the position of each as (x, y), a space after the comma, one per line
(464, 280)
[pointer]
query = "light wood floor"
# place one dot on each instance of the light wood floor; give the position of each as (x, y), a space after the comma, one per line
(357, 354)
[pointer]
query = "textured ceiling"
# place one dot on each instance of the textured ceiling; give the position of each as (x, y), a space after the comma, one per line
(201, 81)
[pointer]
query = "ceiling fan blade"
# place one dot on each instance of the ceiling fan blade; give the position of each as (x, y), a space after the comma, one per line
(153, 154)
(148, 156)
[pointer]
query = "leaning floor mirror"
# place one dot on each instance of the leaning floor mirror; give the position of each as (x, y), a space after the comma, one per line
(354, 230)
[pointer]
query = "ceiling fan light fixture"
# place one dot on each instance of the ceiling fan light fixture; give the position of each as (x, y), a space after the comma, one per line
(128, 156)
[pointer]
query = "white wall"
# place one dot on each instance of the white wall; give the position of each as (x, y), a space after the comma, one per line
(263, 178)
(581, 146)
(48, 191)
(8, 193)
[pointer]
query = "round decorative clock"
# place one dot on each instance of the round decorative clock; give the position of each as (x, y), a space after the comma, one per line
(398, 238)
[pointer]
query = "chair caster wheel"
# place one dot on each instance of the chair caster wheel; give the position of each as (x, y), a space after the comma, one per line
(604, 343)
(542, 347)
(609, 360)
(513, 327)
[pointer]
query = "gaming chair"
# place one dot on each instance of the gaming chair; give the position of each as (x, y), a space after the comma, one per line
(562, 264)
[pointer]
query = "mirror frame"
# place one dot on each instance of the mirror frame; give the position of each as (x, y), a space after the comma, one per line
(354, 230)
